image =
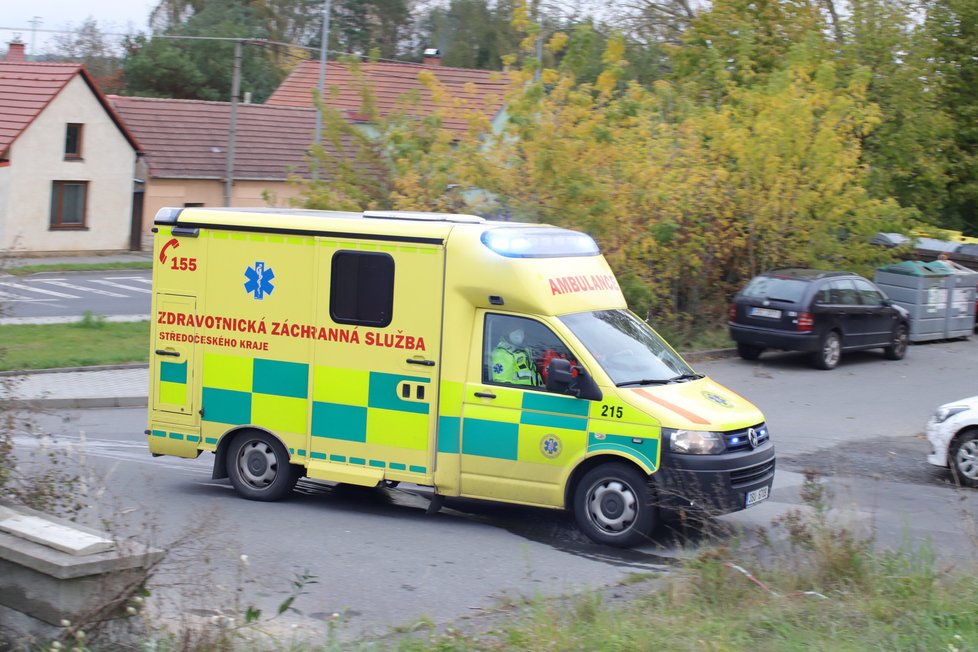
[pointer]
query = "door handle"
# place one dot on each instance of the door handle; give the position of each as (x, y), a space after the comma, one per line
(485, 395)
(175, 354)
(426, 363)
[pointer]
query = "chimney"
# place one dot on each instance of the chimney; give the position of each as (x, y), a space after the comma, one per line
(15, 52)
(432, 57)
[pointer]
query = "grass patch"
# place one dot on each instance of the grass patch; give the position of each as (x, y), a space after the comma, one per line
(91, 341)
(24, 270)
(817, 586)
(708, 339)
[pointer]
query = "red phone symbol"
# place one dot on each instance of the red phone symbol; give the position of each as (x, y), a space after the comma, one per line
(172, 243)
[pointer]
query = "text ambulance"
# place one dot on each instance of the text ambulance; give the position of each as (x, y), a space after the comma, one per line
(488, 360)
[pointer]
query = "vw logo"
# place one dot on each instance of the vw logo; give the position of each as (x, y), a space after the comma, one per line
(752, 437)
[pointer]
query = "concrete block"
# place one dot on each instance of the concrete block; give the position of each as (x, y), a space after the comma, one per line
(56, 570)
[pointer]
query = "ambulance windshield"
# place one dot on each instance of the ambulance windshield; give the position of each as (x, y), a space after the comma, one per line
(628, 350)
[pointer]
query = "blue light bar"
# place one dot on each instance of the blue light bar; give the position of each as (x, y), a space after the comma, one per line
(536, 242)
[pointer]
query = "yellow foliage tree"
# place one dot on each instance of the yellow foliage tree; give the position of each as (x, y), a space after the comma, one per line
(687, 199)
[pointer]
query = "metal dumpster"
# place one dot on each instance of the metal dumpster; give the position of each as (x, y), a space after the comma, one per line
(940, 296)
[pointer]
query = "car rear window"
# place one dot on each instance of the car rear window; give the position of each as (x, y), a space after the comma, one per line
(775, 288)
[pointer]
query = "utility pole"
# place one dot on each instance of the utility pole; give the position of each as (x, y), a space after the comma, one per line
(232, 125)
(539, 44)
(318, 134)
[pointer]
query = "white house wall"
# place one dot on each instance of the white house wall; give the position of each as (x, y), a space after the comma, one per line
(37, 159)
(4, 204)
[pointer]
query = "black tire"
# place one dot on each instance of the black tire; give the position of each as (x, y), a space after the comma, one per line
(829, 351)
(749, 351)
(614, 505)
(258, 466)
(962, 457)
(898, 345)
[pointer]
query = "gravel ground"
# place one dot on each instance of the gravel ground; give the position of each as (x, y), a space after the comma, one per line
(896, 459)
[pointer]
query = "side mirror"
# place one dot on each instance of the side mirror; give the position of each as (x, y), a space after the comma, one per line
(560, 375)
(561, 380)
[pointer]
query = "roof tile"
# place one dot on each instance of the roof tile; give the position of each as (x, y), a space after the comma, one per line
(188, 138)
(396, 87)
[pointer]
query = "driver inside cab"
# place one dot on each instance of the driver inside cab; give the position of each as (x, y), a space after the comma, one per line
(512, 361)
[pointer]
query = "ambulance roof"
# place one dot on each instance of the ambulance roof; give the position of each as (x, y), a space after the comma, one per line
(510, 239)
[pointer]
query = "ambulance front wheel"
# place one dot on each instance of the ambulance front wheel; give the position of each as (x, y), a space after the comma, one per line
(258, 466)
(614, 505)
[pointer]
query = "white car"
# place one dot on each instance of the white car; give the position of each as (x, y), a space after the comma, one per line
(953, 432)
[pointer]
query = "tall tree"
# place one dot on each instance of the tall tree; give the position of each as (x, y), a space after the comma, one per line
(741, 42)
(365, 26)
(192, 68)
(882, 37)
(686, 199)
(89, 46)
(470, 33)
(951, 29)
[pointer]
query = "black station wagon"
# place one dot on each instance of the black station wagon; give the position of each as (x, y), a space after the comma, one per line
(823, 313)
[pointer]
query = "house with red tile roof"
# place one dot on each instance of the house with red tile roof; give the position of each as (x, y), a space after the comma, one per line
(66, 161)
(398, 88)
(186, 143)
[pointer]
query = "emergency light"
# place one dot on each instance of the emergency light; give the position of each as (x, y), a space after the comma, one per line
(537, 242)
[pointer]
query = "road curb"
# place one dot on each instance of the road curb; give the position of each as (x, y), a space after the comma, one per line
(74, 403)
(70, 370)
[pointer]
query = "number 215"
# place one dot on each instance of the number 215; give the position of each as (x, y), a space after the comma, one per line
(611, 411)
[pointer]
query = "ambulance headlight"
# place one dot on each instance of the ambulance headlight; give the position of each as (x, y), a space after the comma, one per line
(694, 442)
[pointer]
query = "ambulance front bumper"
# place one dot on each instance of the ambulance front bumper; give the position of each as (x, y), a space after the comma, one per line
(715, 484)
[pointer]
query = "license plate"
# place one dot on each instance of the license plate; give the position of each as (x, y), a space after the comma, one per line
(765, 312)
(756, 496)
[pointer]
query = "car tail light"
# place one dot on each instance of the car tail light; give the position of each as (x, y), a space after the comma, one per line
(805, 321)
(732, 312)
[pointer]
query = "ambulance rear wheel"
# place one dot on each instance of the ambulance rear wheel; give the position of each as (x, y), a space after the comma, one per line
(613, 505)
(258, 466)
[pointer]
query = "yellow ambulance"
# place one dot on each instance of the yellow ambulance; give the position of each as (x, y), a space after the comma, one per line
(489, 360)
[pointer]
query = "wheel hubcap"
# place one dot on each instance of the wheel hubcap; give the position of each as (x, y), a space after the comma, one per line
(830, 351)
(900, 343)
(966, 459)
(612, 506)
(257, 464)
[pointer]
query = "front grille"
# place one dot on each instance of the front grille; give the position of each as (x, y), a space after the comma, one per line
(751, 474)
(737, 440)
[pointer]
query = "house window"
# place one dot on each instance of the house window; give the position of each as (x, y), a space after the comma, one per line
(193, 204)
(361, 289)
(73, 141)
(68, 199)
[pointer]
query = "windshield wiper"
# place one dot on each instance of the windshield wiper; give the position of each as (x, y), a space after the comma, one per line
(646, 381)
(681, 378)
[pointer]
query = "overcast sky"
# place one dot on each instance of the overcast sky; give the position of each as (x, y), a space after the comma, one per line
(111, 15)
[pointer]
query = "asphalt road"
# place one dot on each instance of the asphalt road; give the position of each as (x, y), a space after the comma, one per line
(68, 294)
(379, 561)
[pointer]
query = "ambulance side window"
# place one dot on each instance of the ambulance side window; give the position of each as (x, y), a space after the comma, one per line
(516, 350)
(361, 288)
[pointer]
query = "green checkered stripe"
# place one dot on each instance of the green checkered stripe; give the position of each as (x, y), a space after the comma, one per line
(178, 436)
(173, 382)
(501, 440)
(365, 407)
(644, 449)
